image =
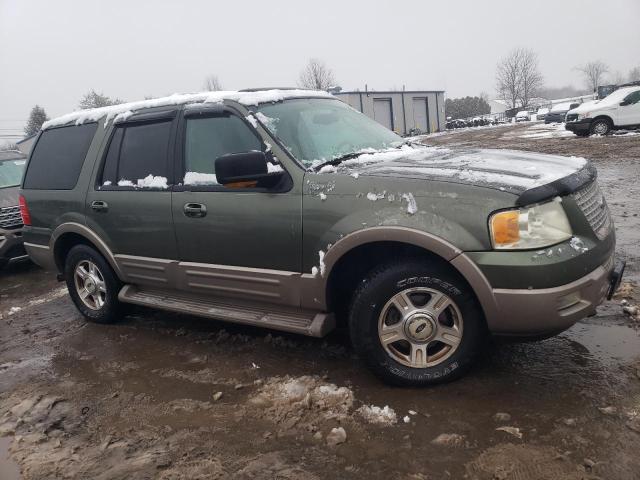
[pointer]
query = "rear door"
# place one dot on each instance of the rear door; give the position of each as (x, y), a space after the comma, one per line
(242, 242)
(129, 204)
(629, 114)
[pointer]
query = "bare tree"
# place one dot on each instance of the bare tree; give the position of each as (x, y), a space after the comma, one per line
(634, 75)
(518, 77)
(212, 83)
(316, 76)
(508, 77)
(593, 72)
(530, 77)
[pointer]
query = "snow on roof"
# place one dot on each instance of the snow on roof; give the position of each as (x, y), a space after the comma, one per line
(125, 109)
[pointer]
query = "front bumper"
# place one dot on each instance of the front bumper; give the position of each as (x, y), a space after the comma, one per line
(11, 247)
(578, 125)
(539, 312)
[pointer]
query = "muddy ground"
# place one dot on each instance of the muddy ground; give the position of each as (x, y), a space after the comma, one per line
(170, 396)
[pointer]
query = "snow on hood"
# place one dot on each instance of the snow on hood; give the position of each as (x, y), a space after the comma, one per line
(504, 169)
(126, 109)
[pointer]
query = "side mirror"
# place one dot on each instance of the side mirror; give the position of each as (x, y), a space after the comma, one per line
(624, 103)
(245, 170)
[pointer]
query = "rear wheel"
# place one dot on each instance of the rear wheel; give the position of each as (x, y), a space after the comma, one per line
(416, 324)
(93, 285)
(600, 126)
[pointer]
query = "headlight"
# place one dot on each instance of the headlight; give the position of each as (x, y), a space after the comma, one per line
(582, 116)
(538, 226)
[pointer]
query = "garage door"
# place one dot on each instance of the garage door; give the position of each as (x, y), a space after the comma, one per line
(382, 112)
(420, 115)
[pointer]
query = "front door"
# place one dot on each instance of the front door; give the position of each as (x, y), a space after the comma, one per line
(241, 242)
(129, 206)
(629, 114)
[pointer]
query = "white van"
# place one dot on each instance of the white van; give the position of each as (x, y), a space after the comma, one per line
(620, 109)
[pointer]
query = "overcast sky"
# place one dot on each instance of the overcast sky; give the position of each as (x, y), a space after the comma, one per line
(53, 51)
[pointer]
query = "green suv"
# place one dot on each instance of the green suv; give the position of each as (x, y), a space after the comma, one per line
(290, 210)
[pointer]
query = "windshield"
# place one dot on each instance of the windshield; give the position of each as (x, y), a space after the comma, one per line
(11, 172)
(319, 130)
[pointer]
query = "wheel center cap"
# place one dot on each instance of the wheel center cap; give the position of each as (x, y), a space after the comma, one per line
(90, 285)
(420, 327)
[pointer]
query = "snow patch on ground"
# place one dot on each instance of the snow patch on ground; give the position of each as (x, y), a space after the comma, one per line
(306, 397)
(376, 196)
(379, 416)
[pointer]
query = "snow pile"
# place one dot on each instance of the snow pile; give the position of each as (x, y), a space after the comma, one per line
(375, 196)
(127, 109)
(150, 181)
(196, 178)
(274, 167)
(251, 119)
(378, 416)
(328, 169)
(577, 245)
(302, 398)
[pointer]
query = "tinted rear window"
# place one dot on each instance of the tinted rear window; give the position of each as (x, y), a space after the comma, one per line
(135, 152)
(58, 157)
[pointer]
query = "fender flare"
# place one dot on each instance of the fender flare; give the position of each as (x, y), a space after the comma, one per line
(432, 243)
(91, 236)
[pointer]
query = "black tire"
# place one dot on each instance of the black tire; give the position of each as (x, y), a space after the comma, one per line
(373, 295)
(600, 126)
(111, 309)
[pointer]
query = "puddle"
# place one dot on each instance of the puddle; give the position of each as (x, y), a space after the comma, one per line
(608, 344)
(8, 468)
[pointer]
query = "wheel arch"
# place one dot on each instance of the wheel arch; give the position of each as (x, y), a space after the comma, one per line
(68, 235)
(354, 255)
(603, 116)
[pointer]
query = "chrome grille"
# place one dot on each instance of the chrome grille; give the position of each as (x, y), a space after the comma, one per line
(10, 217)
(595, 209)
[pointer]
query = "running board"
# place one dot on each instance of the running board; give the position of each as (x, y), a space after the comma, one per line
(277, 317)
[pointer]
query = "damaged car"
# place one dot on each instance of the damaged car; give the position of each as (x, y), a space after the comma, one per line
(290, 210)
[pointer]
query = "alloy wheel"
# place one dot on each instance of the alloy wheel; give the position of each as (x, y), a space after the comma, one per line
(420, 327)
(90, 284)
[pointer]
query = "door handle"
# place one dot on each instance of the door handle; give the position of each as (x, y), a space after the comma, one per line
(195, 210)
(99, 206)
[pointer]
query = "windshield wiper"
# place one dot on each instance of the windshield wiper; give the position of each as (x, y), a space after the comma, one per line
(337, 160)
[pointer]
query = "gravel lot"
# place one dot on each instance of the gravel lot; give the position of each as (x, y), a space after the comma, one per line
(165, 396)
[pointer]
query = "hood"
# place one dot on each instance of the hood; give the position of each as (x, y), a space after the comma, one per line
(528, 175)
(9, 197)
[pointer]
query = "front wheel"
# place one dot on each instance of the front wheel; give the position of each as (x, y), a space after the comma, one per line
(416, 324)
(93, 285)
(600, 126)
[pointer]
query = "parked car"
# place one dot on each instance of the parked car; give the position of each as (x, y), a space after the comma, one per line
(558, 112)
(542, 113)
(290, 210)
(621, 109)
(523, 116)
(12, 165)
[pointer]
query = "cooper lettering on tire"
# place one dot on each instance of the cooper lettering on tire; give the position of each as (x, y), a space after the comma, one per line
(416, 323)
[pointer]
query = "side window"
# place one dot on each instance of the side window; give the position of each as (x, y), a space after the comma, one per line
(58, 157)
(209, 138)
(138, 156)
(633, 97)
